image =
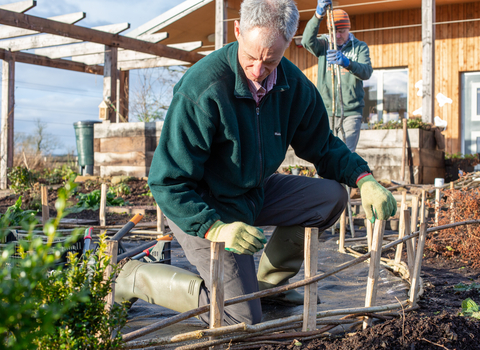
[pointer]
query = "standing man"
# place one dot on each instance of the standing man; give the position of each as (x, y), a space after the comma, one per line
(232, 118)
(353, 57)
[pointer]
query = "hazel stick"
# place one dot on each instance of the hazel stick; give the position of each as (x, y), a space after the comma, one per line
(422, 208)
(369, 227)
(374, 270)
(311, 266)
(414, 288)
(44, 195)
(217, 295)
(343, 231)
(409, 243)
(103, 205)
(401, 230)
(414, 218)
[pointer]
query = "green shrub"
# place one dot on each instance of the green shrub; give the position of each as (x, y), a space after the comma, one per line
(21, 178)
(120, 190)
(59, 174)
(15, 216)
(412, 123)
(91, 201)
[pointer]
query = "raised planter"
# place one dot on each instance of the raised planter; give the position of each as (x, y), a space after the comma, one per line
(125, 148)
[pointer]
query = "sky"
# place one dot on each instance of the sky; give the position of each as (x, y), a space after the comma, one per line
(59, 97)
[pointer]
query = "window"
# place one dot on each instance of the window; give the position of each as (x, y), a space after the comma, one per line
(386, 95)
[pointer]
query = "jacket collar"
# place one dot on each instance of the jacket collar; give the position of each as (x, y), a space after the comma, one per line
(241, 84)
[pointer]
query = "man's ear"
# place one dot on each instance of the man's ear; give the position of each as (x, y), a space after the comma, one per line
(237, 29)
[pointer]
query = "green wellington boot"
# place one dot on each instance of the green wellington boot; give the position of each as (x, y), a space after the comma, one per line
(159, 284)
(282, 259)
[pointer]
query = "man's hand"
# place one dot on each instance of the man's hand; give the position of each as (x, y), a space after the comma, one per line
(322, 7)
(337, 57)
(377, 201)
(239, 238)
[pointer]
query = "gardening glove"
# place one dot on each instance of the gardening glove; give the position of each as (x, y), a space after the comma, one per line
(337, 57)
(322, 7)
(239, 238)
(377, 201)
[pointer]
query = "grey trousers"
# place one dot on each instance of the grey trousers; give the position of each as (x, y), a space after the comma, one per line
(351, 125)
(289, 200)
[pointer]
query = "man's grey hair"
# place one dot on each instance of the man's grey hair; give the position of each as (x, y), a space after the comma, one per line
(279, 15)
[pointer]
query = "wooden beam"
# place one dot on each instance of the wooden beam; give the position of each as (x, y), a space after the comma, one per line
(96, 36)
(13, 32)
(44, 197)
(103, 206)
(110, 76)
(46, 40)
(8, 102)
(220, 24)
(128, 55)
(123, 93)
(151, 63)
(311, 267)
(217, 297)
(29, 58)
(21, 6)
(83, 49)
(428, 71)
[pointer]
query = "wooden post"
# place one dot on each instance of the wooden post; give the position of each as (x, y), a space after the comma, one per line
(422, 207)
(44, 195)
(374, 270)
(123, 86)
(220, 24)
(409, 243)
(103, 205)
(8, 102)
(401, 231)
(414, 288)
(110, 75)
(217, 297)
(428, 58)
(343, 231)
(369, 226)
(160, 221)
(452, 214)
(437, 205)
(112, 251)
(311, 265)
(414, 222)
(404, 150)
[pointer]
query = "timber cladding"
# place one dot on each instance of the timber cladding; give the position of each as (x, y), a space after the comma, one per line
(125, 148)
(395, 41)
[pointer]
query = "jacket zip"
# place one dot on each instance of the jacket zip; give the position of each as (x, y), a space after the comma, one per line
(259, 145)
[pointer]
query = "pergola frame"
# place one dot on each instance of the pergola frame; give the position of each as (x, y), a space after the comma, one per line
(83, 45)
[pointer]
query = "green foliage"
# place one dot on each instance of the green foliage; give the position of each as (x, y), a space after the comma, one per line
(470, 309)
(91, 201)
(89, 323)
(461, 287)
(58, 175)
(412, 123)
(149, 192)
(21, 178)
(15, 216)
(461, 156)
(25, 315)
(120, 189)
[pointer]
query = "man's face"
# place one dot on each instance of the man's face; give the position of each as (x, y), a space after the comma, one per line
(342, 36)
(258, 61)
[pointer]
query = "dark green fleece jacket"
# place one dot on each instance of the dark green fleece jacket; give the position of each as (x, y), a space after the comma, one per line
(360, 69)
(217, 147)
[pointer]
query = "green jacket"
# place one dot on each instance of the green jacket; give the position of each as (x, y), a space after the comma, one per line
(217, 147)
(360, 69)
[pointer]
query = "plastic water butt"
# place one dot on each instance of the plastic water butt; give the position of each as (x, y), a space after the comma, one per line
(84, 138)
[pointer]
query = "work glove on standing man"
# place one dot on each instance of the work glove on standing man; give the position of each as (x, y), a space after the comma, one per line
(322, 6)
(239, 238)
(337, 57)
(377, 201)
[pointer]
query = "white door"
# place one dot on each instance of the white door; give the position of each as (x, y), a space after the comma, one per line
(471, 113)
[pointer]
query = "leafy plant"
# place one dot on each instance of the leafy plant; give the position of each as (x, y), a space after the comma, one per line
(89, 323)
(461, 287)
(470, 309)
(21, 178)
(149, 192)
(15, 216)
(412, 123)
(120, 189)
(59, 174)
(91, 201)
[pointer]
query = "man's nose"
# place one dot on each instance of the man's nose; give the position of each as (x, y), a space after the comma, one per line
(258, 69)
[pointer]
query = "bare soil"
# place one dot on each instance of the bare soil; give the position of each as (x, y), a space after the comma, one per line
(435, 325)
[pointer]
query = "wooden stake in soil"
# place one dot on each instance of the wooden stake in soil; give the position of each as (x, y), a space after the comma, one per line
(374, 270)
(452, 216)
(437, 205)
(45, 213)
(103, 205)
(418, 265)
(401, 231)
(422, 210)
(369, 227)
(160, 221)
(311, 264)
(414, 218)
(404, 150)
(112, 251)
(217, 295)
(343, 231)
(409, 243)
